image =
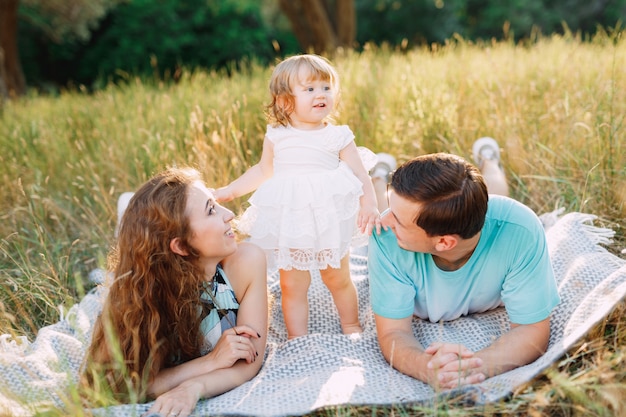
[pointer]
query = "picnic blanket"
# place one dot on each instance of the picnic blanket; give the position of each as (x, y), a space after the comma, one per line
(327, 368)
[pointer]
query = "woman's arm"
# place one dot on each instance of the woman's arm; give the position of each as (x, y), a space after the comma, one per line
(248, 269)
(252, 178)
(233, 345)
(179, 388)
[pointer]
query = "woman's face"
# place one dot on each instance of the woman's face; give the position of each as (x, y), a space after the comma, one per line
(211, 234)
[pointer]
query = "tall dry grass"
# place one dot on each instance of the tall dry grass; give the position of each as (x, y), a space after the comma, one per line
(556, 105)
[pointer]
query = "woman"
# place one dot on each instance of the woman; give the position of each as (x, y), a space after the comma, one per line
(186, 314)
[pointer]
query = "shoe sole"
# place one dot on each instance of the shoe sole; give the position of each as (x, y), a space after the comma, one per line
(480, 143)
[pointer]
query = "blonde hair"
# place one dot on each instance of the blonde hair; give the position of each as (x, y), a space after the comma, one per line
(285, 75)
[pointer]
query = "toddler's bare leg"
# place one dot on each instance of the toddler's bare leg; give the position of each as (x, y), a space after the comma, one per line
(486, 152)
(380, 175)
(294, 285)
(494, 177)
(344, 295)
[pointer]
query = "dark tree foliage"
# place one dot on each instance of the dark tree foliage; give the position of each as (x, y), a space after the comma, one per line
(486, 18)
(154, 37)
(417, 22)
(159, 37)
(427, 21)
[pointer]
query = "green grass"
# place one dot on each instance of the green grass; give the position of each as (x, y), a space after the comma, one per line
(556, 106)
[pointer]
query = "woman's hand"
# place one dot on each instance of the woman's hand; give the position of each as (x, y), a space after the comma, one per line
(233, 345)
(178, 402)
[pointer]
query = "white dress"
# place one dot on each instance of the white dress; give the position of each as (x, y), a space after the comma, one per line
(304, 217)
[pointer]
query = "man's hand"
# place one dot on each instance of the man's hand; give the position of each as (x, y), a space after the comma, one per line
(442, 365)
(452, 365)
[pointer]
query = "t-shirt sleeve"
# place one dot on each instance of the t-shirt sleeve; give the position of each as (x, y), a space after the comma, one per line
(345, 136)
(270, 133)
(530, 291)
(392, 294)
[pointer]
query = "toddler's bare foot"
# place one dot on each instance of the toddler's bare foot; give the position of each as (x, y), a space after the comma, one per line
(351, 328)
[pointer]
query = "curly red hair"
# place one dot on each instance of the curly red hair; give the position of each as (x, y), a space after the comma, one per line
(150, 317)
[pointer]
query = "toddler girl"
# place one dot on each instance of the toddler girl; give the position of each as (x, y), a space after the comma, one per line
(313, 193)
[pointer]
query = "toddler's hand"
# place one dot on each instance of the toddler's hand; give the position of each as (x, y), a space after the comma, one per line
(223, 194)
(369, 218)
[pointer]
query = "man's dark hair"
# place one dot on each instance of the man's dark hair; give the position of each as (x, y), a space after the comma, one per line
(451, 192)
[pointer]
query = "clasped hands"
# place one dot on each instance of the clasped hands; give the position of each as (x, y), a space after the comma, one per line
(453, 365)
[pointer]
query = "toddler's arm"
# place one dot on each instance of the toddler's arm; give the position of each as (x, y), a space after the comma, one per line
(251, 179)
(369, 217)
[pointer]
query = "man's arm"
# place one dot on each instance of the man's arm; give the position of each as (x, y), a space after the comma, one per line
(520, 346)
(404, 353)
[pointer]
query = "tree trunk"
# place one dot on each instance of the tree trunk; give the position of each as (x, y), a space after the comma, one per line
(346, 23)
(315, 27)
(12, 82)
(299, 26)
(324, 36)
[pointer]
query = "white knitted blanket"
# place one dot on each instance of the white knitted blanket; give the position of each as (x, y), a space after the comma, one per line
(327, 368)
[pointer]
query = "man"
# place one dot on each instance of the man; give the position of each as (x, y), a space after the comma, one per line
(448, 250)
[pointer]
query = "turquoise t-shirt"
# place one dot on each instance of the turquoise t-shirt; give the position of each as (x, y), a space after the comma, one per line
(510, 267)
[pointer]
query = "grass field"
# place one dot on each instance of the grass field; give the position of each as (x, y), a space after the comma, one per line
(556, 105)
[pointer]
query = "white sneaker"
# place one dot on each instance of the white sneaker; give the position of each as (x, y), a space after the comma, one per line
(122, 203)
(384, 167)
(485, 148)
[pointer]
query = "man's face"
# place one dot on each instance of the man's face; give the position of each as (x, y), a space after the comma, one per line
(400, 217)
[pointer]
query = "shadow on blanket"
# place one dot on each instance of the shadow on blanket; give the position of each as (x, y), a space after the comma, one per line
(327, 368)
